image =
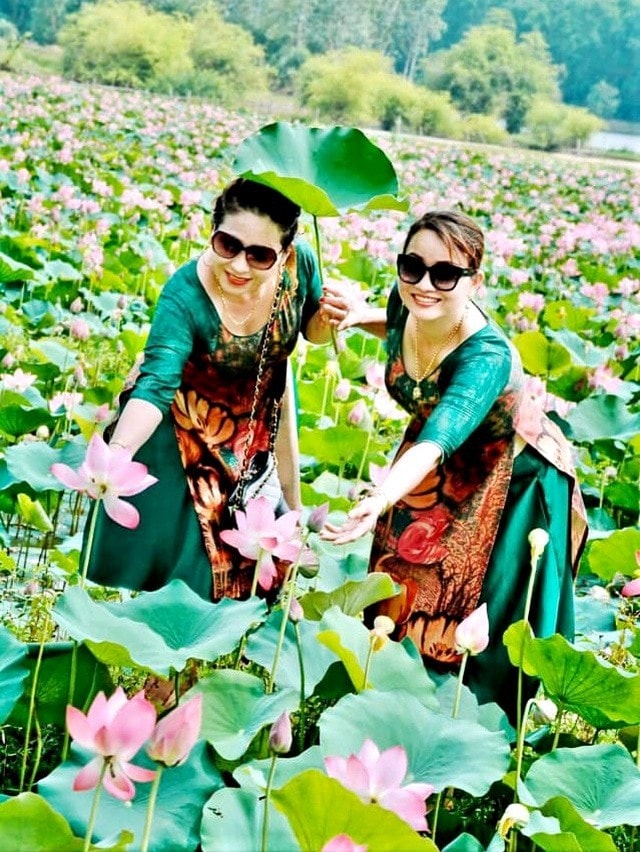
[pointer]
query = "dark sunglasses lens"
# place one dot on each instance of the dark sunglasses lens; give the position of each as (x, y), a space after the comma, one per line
(445, 276)
(261, 257)
(410, 269)
(225, 245)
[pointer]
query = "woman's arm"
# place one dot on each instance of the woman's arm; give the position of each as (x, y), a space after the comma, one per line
(286, 447)
(137, 423)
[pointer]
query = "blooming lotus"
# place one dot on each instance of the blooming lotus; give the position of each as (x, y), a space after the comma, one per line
(260, 536)
(377, 777)
(176, 733)
(343, 843)
(115, 729)
(107, 474)
(472, 634)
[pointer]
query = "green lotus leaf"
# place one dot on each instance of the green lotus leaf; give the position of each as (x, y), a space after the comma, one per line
(465, 843)
(575, 834)
(235, 708)
(539, 355)
(232, 820)
(33, 514)
(577, 680)
(253, 775)
(603, 417)
(13, 671)
(182, 794)
(615, 554)
(261, 647)
(28, 823)
(31, 463)
(601, 782)
(584, 353)
(351, 597)
(392, 667)
(16, 420)
(323, 170)
(441, 751)
(158, 630)
(13, 270)
(319, 808)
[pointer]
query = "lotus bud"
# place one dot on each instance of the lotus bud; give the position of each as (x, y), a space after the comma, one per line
(383, 627)
(43, 433)
(342, 391)
(631, 589)
(280, 737)
(76, 306)
(545, 711)
(317, 518)
(176, 733)
(515, 816)
(296, 613)
(538, 540)
(472, 634)
(343, 843)
(358, 413)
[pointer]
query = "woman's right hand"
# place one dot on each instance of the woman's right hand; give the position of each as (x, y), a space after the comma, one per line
(361, 520)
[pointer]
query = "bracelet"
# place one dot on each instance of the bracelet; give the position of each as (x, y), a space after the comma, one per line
(118, 444)
(378, 492)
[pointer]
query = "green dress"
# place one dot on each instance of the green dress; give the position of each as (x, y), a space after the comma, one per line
(460, 537)
(202, 378)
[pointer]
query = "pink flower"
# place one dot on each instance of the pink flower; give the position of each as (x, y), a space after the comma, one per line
(631, 589)
(472, 634)
(343, 843)
(358, 413)
(176, 733)
(115, 730)
(375, 375)
(377, 777)
(296, 613)
(260, 535)
(280, 736)
(18, 381)
(317, 518)
(107, 474)
(342, 391)
(79, 329)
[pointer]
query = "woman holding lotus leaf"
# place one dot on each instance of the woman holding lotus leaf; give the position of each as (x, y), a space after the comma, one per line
(234, 311)
(476, 471)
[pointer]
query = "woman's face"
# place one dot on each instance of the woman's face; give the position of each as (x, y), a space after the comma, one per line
(422, 299)
(235, 274)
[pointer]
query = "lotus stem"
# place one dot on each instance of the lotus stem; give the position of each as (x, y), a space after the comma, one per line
(31, 713)
(456, 703)
(256, 572)
(286, 608)
(94, 809)
(367, 665)
(520, 745)
(301, 722)
(267, 796)
(89, 547)
(151, 805)
(316, 233)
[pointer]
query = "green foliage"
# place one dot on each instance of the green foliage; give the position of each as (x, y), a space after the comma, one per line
(550, 125)
(603, 99)
(483, 128)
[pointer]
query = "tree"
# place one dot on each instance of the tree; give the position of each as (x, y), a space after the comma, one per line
(551, 125)
(603, 99)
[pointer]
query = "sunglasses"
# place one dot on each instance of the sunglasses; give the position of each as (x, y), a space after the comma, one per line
(258, 257)
(443, 275)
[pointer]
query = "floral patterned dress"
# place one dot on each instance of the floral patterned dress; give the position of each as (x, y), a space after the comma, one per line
(460, 537)
(202, 377)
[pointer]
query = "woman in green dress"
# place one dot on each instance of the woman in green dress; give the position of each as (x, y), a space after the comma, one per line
(186, 411)
(476, 471)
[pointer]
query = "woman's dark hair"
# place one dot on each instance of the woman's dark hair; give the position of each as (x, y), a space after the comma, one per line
(242, 194)
(455, 229)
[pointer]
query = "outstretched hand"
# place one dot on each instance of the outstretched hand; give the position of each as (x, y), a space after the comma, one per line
(338, 304)
(360, 520)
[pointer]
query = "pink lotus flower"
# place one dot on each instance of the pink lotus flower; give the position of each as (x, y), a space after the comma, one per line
(115, 730)
(343, 843)
(631, 589)
(107, 474)
(261, 536)
(377, 777)
(280, 736)
(472, 634)
(176, 733)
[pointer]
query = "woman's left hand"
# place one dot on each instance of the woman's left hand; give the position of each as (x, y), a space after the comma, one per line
(360, 520)
(336, 304)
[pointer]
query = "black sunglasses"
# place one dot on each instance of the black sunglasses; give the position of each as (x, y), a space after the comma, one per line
(258, 257)
(443, 275)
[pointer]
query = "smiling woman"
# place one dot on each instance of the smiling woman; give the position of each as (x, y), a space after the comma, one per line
(195, 408)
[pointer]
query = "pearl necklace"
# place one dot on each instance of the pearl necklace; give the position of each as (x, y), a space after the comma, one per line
(420, 377)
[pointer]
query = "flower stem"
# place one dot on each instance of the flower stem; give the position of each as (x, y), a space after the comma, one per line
(31, 713)
(301, 722)
(94, 809)
(367, 665)
(520, 745)
(456, 703)
(286, 608)
(87, 552)
(556, 737)
(267, 797)
(151, 804)
(525, 616)
(70, 695)
(334, 338)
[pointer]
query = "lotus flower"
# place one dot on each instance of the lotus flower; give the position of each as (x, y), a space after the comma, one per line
(515, 816)
(343, 843)
(280, 736)
(115, 729)
(472, 634)
(176, 733)
(261, 536)
(377, 777)
(107, 474)
(631, 589)
(538, 540)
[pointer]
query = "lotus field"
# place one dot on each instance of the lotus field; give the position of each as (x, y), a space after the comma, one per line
(296, 726)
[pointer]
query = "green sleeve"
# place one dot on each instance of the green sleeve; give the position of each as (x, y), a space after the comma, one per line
(471, 381)
(308, 280)
(170, 343)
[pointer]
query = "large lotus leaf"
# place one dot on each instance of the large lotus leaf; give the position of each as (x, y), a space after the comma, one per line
(603, 416)
(351, 597)
(52, 688)
(442, 751)
(31, 463)
(602, 783)
(13, 671)
(52, 350)
(182, 793)
(491, 716)
(319, 808)
(615, 554)
(339, 444)
(235, 708)
(577, 680)
(253, 775)
(16, 420)
(232, 821)
(324, 170)
(261, 648)
(158, 630)
(583, 351)
(392, 668)
(33, 514)
(28, 823)
(539, 355)
(13, 270)
(576, 835)
(465, 843)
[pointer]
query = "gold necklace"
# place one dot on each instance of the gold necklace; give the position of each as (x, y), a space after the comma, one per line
(420, 377)
(225, 305)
